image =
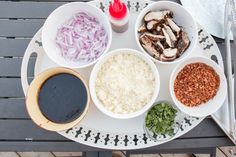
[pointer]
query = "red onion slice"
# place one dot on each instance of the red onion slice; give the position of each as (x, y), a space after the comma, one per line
(82, 38)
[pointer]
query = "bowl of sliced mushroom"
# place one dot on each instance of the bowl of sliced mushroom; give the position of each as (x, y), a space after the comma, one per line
(166, 32)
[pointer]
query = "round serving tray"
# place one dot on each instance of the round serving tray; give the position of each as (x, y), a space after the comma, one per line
(99, 130)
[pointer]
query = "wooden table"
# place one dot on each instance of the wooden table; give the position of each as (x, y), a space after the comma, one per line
(19, 21)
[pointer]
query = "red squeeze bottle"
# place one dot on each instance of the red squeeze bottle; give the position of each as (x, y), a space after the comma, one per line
(118, 16)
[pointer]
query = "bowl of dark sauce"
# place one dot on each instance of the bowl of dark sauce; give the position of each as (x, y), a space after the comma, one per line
(57, 99)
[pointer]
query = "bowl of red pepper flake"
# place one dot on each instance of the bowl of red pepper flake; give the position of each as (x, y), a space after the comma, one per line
(198, 86)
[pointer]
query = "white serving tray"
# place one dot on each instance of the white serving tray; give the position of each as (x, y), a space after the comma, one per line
(99, 130)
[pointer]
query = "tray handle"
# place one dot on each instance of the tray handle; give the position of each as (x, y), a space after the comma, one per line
(24, 70)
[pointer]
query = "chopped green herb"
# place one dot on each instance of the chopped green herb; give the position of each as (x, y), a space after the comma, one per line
(161, 118)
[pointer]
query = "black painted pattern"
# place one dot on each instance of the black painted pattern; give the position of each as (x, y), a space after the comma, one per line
(68, 131)
(78, 132)
(96, 138)
(126, 140)
(214, 58)
(106, 139)
(116, 140)
(39, 43)
(87, 135)
(135, 140)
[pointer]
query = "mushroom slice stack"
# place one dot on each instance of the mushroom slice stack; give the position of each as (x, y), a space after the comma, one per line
(148, 46)
(170, 33)
(169, 54)
(154, 37)
(151, 25)
(173, 26)
(142, 29)
(157, 15)
(168, 39)
(183, 43)
(161, 37)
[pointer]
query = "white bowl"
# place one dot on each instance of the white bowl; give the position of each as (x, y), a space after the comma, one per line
(60, 16)
(181, 17)
(94, 76)
(212, 105)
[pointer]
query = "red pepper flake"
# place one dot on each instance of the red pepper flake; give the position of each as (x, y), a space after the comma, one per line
(195, 84)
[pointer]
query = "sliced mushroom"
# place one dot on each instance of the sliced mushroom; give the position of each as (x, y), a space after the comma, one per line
(173, 25)
(142, 29)
(183, 43)
(157, 15)
(145, 40)
(159, 46)
(154, 32)
(170, 53)
(167, 37)
(170, 33)
(161, 37)
(158, 28)
(152, 25)
(165, 59)
(152, 51)
(153, 16)
(154, 37)
(167, 13)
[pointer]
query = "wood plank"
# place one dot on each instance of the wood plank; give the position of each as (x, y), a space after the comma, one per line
(202, 155)
(200, 143)
(218, 40)
(44, 146)
(11, 87)
(90, 154)
(220, 153)
(206, 150)
(20, 28)
(228, 151)
(136, 155)
(13, 47)
(105, 154)
(8, 154)
(35, 154)
(118, 154)
(26, 129)
(10, 9)
(207, 127)
(175, 155)
(145, 155)
(67, 154)
(13, 108)
(12, 67)
(173, 146)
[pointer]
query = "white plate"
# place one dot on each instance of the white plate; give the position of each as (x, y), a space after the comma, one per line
(99, 130)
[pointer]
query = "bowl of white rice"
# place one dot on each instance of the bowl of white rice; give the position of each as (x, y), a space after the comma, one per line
(124, 83)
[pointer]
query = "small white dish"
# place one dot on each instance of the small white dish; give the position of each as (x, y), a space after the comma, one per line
(57, 18)
(212, 105)
(176, 126)
(182, 18)
(96, 69)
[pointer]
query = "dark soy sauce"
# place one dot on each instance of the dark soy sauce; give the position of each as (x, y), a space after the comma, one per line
(62, 98)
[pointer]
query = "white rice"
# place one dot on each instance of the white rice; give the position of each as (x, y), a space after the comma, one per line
(125, 83)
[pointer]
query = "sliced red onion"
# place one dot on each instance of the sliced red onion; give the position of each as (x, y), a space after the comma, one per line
(82, 38)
